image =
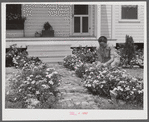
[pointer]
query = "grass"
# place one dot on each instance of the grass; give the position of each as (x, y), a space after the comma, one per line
(137, 72)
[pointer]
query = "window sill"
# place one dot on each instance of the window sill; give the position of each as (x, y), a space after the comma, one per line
(129, 21)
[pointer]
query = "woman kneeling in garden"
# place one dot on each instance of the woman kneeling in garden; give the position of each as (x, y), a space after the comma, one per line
(107, 54)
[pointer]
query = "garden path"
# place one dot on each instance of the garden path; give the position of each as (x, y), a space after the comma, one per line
(72, 93)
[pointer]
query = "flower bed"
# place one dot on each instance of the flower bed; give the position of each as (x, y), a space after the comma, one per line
(34, 85)
(106, 82)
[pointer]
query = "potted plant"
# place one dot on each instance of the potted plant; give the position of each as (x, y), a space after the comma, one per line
(48, 30)
(37, 34)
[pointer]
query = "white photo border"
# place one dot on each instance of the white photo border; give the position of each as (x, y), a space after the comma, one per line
(64, 114)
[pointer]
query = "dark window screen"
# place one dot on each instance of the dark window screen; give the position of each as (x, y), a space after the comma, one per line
(13, 9)
(85, 24)
(76, 24)
(80, 9)
(129, 12)
(14, 17)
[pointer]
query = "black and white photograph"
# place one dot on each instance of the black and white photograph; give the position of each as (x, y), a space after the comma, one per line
(74, 60)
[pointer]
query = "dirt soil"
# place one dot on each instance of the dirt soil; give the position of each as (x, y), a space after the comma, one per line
(73, 95)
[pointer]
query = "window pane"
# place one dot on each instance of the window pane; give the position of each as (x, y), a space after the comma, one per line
(76, 24)
(130, 12)
(80, 9)
(85, 24)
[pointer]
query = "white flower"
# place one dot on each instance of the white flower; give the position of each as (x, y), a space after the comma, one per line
(48, 69)
(89, 85)
(47, 73)
(104, 71)
(37, 92)
(33, 82)
(29, 87)
(7, 92)
(55, 72)
(20, 90)
(95, 81)
(31, 75)
(140, 91)
(51, 93)
(131, 92)
(49, 76)
(114, 89)
(45, 86)
(51, 82)
(91, 73)
(119, 88)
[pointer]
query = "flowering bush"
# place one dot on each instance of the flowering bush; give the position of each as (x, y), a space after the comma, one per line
(70, 61)
(36, 85)
(85, 54)
(101, 80)
(13, 53)
(18, 57)
(22, 59)
(130, 90)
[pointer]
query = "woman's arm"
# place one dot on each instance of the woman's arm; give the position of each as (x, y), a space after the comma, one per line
(110, 61)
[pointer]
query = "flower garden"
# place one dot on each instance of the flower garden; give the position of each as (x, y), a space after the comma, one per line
(35, 84)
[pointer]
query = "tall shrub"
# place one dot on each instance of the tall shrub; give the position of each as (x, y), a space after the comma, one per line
(128, 51)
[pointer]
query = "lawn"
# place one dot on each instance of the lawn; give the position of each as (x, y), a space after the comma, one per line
(72, 93)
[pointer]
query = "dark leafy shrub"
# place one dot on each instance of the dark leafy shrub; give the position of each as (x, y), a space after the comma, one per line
(13, 52)
(138, 59)
(128, 52)
(80, 69)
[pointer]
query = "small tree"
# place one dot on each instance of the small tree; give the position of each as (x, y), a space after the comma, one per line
(128, 50)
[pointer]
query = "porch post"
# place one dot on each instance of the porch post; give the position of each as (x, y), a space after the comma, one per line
(112, 21)
(98, 21)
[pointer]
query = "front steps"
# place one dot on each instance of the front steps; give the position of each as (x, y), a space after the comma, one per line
(50, 53)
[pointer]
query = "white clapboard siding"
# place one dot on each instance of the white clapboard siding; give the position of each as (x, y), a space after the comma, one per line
(58, 53)
(106, 20)
(49, 53)
(57, 15)
(48, 47)
(134, 29)
(52, 60)
(14, 33)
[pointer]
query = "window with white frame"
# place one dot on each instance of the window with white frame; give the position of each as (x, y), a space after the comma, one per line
(129, 12)
(81, 20)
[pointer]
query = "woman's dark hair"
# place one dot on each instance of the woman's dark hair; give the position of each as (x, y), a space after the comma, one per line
(102, 39)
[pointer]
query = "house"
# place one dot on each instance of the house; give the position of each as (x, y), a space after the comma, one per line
(74, 24)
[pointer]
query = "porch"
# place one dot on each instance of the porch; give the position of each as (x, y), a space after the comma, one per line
(52, 49)
(72, 41)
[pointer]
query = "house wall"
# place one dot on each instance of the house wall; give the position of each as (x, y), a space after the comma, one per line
(134, 28)
(14, 33)
(57, 15)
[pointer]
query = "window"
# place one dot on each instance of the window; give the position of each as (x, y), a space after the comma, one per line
(129, 12)
(81, 20)
(14, 20)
